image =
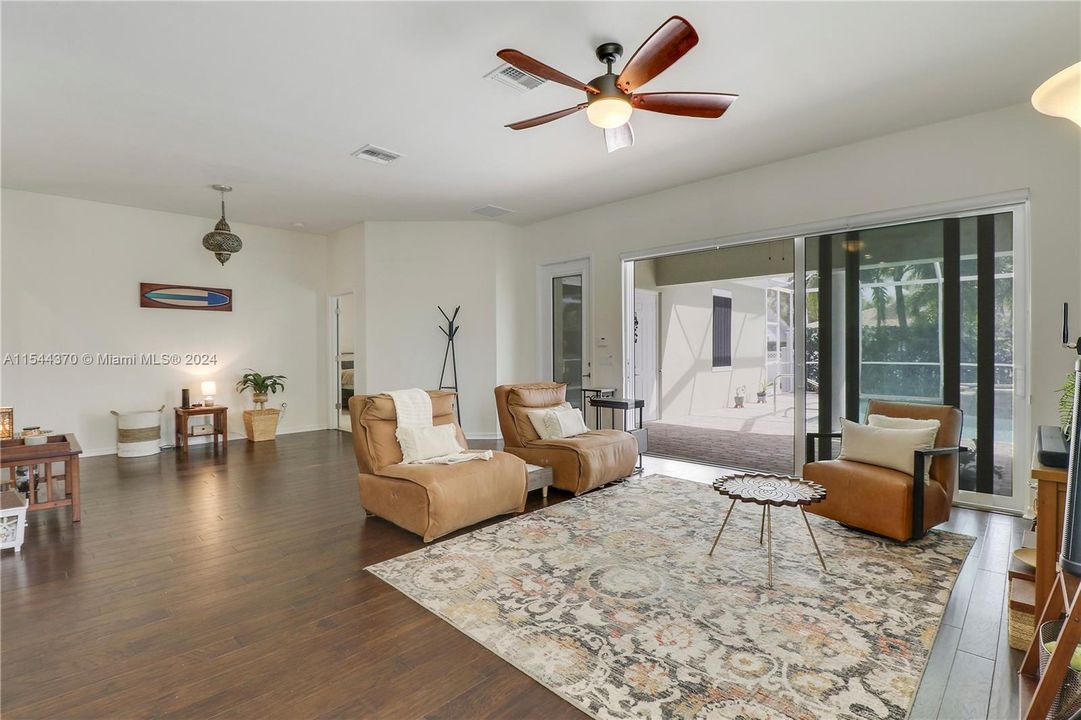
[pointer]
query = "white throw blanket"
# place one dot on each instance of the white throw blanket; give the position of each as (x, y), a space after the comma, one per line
(414, 409)
(457, 458)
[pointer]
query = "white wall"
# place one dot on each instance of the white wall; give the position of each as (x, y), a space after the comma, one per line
(1009, 149)
(689, 384)
(403, 271)
(71, 271)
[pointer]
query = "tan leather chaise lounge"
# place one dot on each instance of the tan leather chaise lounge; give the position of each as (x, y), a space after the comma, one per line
(578, 463)
(886, 501)
(429, 500)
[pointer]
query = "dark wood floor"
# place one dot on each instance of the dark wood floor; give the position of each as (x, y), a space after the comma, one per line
(233, 585)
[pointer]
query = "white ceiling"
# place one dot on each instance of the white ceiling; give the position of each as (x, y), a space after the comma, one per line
(146, 104)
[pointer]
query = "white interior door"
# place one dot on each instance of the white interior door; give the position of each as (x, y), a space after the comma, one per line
(646, 350)
(565, 308)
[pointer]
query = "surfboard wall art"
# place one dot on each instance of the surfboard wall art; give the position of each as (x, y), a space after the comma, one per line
(184, 297)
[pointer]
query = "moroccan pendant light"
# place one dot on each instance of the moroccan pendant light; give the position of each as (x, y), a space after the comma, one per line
(222, 241)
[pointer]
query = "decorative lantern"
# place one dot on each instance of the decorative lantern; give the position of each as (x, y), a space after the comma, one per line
(222, 241)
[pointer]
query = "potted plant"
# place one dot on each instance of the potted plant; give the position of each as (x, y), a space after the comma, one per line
(762, 388)
(741, 391)
(1065, 404)
(261, 423)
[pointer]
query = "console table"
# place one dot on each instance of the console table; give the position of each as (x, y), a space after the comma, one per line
(1050, 513)
(220, 414)
(56, 449)
(626, 405)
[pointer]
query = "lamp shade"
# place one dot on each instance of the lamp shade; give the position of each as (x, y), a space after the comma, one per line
(1060, 95)
(7, 423)
(209, 387)
(609, 112)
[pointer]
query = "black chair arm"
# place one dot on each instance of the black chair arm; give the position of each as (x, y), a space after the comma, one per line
(810, 446)
(919, 472)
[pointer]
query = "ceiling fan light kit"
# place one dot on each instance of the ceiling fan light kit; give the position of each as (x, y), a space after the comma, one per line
(610, 98)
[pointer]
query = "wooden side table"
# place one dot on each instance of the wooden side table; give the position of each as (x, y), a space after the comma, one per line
(56, 449)
(539, 478)
(220, 414)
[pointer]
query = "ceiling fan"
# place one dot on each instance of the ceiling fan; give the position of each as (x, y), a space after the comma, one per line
(610, 99)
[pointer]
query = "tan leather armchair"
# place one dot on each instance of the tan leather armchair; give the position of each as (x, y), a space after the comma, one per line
(885, 501)
(429, 500)
(578, 463)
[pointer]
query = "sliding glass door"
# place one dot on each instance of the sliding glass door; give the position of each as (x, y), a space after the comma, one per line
(921, 312)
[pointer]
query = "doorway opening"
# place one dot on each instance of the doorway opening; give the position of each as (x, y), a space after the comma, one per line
(564, 303)
(714, 355)
(343, 315)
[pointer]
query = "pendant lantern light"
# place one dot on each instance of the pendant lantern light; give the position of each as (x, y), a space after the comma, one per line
(222, 241)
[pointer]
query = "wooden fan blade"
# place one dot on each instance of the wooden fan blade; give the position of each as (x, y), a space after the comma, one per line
(668, 43)
(691, 104)
(536, 67)
(534, 122)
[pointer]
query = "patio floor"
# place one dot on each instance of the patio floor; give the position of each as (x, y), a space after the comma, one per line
(757, 436)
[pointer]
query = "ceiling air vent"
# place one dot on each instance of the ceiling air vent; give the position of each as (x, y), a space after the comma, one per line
(514, 78)
(492, 211)
(376, 154)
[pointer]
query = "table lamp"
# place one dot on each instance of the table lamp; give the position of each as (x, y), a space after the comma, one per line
(7, 423)
(209, 389)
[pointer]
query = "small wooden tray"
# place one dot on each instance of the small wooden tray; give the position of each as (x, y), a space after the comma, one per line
(16, 450)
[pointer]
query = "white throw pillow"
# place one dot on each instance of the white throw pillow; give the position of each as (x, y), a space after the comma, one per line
(424, 443)
(886, 447)
(539, 418)
(900, 423)
(566, 423)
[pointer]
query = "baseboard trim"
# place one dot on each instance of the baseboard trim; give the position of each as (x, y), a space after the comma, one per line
(203, 440)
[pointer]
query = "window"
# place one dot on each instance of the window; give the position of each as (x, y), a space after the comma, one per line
(722, 329)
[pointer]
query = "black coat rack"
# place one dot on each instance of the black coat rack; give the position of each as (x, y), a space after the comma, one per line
(451, 330)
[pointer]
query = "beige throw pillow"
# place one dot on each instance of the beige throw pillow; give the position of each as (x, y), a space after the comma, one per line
(886, 447)
(566, 423)
(424, 443)
(539, 418)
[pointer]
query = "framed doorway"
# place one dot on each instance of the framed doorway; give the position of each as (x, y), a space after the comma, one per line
(343, 370)
(563, 297)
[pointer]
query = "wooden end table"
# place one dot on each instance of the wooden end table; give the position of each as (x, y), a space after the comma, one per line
(56, 449)
(538, 478)
(770, 491)
(220, 414)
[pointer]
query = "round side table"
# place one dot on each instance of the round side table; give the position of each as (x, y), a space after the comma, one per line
(770, 491)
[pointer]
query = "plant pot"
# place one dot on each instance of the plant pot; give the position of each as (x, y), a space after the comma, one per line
(260, 425)
(259, 399)
(762, 397)
(739, 401)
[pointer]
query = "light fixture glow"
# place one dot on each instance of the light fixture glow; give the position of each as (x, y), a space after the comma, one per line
(210, 389)
(1060, 95)
(609, 112)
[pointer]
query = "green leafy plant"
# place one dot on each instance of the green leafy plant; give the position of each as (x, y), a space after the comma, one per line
(1065, 403)
(260, 384)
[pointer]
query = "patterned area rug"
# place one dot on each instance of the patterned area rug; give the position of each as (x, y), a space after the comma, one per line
(610, 601)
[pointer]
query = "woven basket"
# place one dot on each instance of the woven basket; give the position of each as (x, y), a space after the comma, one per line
(1068, 700)
(261, 425)
(1022, 627)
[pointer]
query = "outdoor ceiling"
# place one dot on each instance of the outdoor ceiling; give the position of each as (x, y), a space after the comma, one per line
(147, 104)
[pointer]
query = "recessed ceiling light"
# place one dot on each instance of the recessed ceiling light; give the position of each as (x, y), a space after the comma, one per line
(298, 225)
